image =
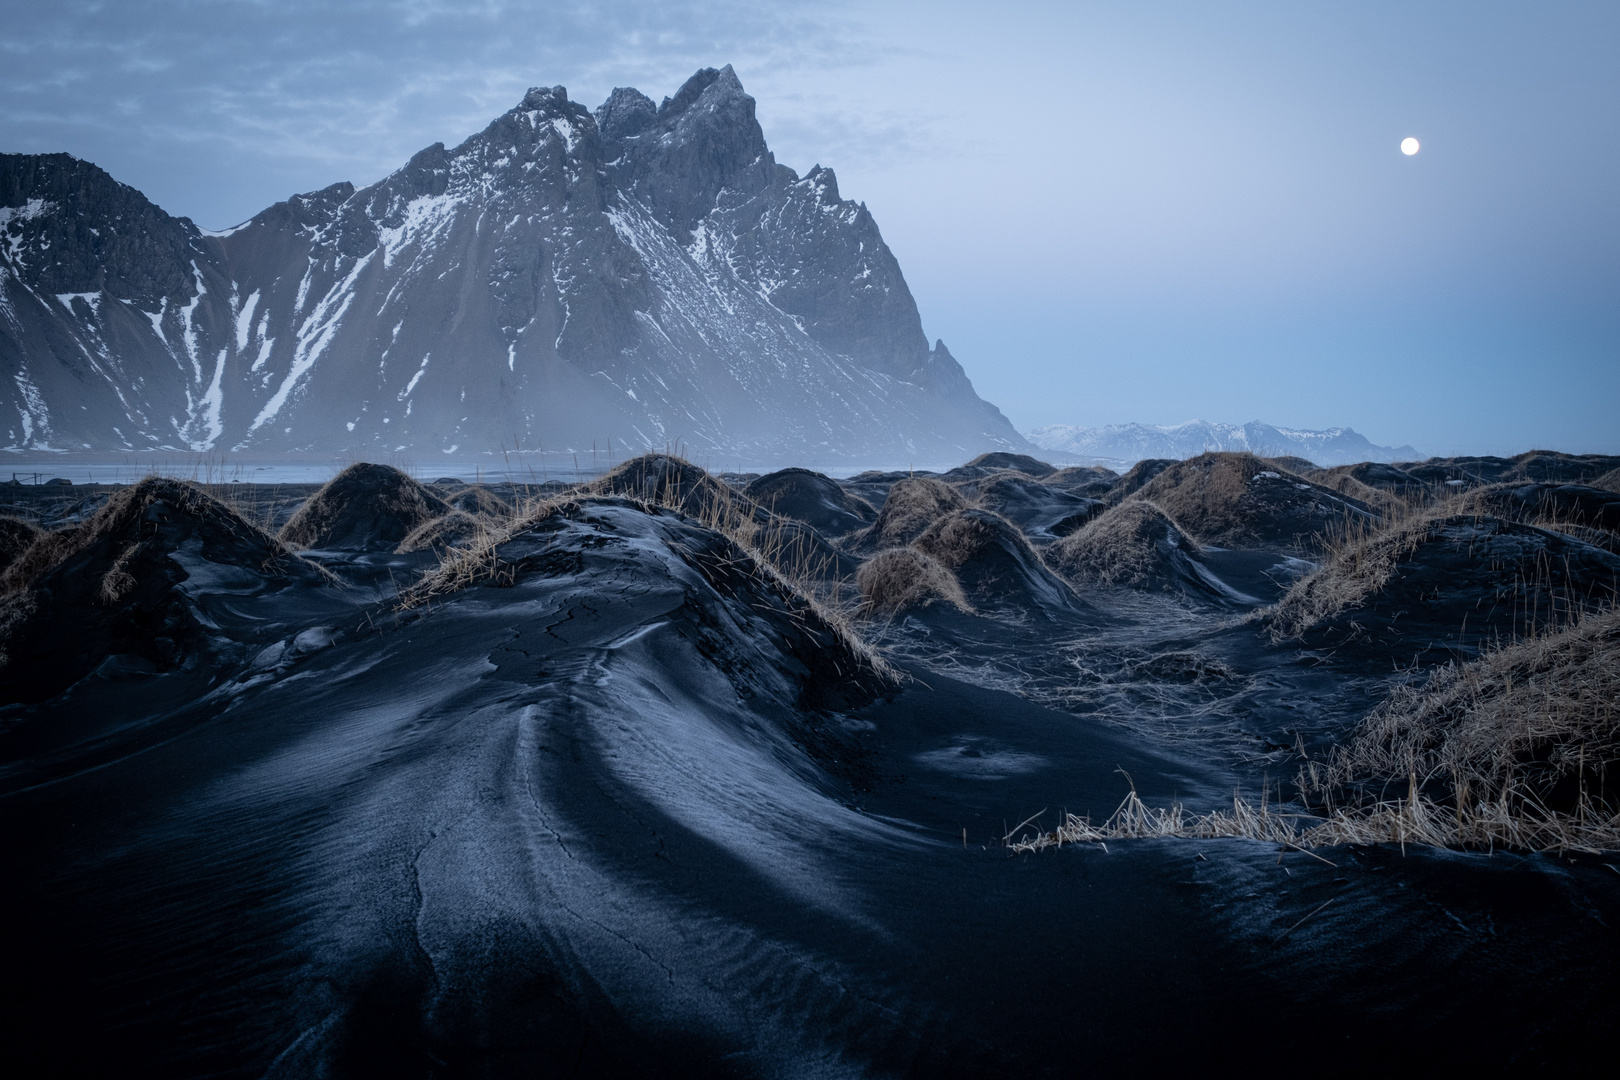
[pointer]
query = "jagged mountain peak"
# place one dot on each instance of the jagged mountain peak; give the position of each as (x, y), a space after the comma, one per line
(625, 113)
(708, 85)
(635, 277)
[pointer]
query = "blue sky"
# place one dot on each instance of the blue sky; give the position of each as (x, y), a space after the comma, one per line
(1110, 212)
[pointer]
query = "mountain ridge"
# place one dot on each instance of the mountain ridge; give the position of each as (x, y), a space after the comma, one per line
(1129, 443)
(639, 275)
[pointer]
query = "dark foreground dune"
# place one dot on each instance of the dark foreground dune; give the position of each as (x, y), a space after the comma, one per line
(608, 794)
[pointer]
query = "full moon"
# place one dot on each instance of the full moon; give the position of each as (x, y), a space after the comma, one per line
(1409, 146)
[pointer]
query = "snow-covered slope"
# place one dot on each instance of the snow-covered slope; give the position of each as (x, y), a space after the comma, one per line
(644, 276)
(1127, 443)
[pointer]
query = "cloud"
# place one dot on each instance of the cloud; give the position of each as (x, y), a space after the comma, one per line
(277, 90)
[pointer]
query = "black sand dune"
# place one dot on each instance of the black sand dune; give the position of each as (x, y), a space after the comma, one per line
(812, 498)
(1137, 477)
(1093, 482)
(613, 799)
(1370, 476)
(364, 508)
(1297, 465)
(1535, 466)
(668, 480)
(1552, 505)
(996, 462)
(1041, 512)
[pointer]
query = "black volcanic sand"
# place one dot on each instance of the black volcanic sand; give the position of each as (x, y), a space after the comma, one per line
(812, 498)
(630, 807)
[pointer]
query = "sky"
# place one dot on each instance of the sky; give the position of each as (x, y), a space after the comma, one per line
(1110, 212)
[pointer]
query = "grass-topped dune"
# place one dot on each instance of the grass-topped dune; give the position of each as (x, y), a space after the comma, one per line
(453, 531)
(1092, 481)
(1235, 500)
(1448, 579)
(108, 587)
(913, 504)
(1533, 466)
(1041, 511)
(993, 562)
(566, 536)
(1521, 746)
(998, 462)
(1134, 545)
(365, 507)
(794, 547)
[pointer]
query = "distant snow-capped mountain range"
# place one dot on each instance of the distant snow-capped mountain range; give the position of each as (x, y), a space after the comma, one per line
(1125, 444)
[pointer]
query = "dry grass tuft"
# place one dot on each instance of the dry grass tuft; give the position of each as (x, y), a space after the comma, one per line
(1361, 557)
(1416, 820)
(900, 578)
(1127, 546)
(16, 537)
(913, 504)
(1533, 727)
(1609, 481)
(453, 531)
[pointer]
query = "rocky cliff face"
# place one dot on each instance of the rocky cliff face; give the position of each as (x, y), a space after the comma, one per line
(644, 274)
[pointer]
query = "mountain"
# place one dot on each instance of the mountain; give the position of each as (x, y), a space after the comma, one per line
(1128, 443)
(641, 275)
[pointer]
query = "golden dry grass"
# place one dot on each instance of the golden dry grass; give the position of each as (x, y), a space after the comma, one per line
(1416, 820)
(1609, 481)
(16, 537)
(913, 504)
(1121, 547)
(1209, 495)
(1535, 723)
(897, 579)
(1360, 558)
